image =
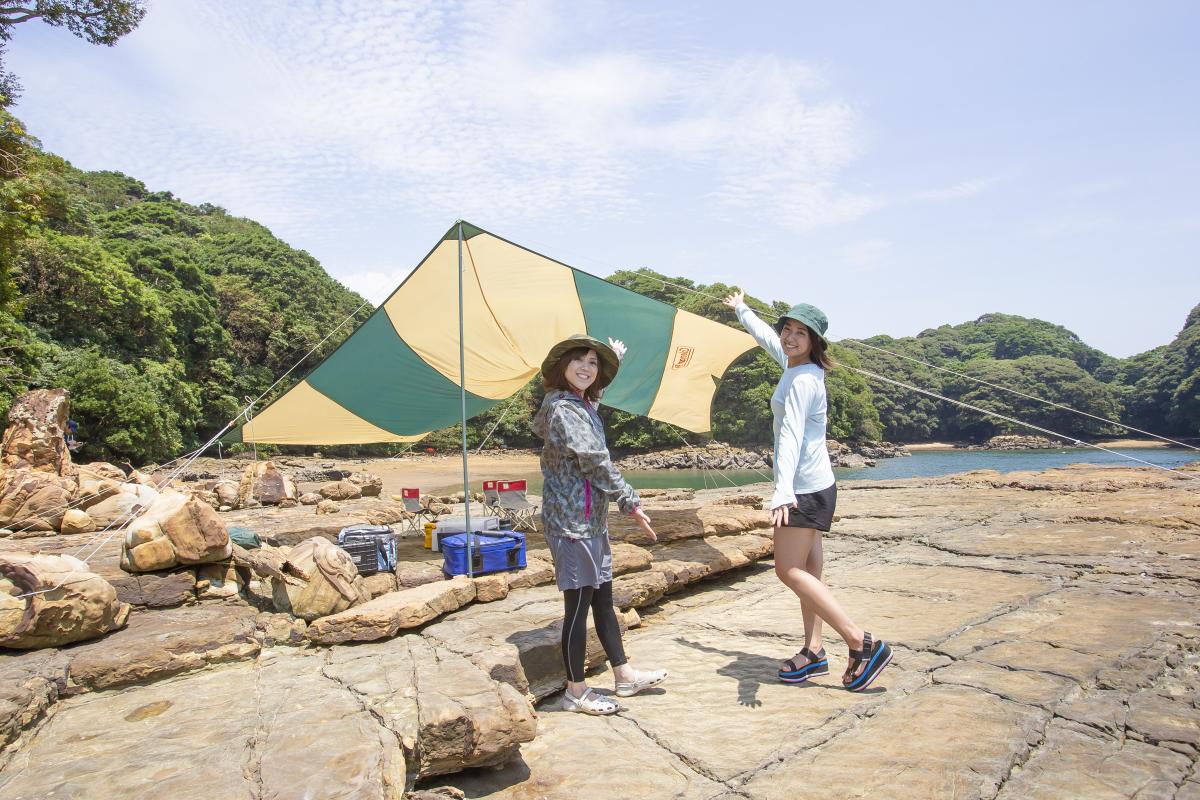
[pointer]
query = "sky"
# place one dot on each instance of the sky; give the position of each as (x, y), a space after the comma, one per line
(900, 165)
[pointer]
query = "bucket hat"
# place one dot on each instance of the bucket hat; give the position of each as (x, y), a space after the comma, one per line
(609, 363)
(811, 316)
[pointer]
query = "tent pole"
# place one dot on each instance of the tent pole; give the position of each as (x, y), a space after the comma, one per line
(462, 385)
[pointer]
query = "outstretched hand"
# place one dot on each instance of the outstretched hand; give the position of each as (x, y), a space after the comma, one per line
(779, 514)
(644, 523)
(733, 299)
(618, 347)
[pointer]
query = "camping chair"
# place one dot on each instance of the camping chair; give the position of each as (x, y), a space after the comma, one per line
(418, 514)
(515, 505)
(491, 499)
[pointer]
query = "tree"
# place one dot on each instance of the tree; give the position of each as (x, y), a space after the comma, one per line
(95, 21)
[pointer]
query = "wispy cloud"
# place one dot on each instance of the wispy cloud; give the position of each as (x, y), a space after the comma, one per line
(959, 191)
(483, 109)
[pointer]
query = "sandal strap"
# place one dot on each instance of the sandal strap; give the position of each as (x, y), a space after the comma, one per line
(791, 665)
(811, 656)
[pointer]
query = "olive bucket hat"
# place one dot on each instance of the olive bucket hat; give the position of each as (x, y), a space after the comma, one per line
(811, 316)
(609, 363)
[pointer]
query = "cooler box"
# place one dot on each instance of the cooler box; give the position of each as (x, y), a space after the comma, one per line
(450, 525)
(491, 551)
(373, 547)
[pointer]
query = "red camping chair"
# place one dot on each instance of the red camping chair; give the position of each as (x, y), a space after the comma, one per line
(411, 499)
(515, 505)
(491, 498)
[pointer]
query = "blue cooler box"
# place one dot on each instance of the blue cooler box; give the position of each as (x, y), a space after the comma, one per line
(493, 551)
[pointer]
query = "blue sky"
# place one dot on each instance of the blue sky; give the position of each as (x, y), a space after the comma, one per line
(901, 165)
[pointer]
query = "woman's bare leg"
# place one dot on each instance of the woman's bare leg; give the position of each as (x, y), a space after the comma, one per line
(812, 623)
(793, 547)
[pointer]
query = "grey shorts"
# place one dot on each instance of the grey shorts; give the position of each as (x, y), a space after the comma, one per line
(814, 510)
(580, 562)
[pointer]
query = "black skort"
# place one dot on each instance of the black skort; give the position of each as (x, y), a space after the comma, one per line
(814, 510)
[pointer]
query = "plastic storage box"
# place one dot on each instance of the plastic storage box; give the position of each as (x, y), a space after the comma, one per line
(373, 547)
(491, 551)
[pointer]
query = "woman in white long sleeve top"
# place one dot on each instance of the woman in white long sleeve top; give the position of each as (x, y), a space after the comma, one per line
(805, 492)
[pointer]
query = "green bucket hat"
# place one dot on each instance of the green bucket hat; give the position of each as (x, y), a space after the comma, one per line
(811, 316)
(609, 363)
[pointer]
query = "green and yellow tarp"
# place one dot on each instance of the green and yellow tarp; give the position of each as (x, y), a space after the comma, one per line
(396, 378)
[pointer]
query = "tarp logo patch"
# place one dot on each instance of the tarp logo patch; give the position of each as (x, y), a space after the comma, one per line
(683, 357)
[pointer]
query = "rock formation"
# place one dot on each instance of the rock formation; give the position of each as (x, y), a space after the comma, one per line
(317, 579)
(176, 529)
(34, 439)
(65, 602)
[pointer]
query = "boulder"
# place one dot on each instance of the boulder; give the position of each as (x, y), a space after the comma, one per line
(227, 493)
(34, 439)
(77, 604)
(175, 529)
(491, 587)
(640, 589)
(368, 485)
(33, 500)
(76, 521)
(122, 506)
(318, 578)
(340, 490)
(380, 583)
(327, 507)
(384, 617)
(98, 481)
(536, 573)
(263, 482)
(218, 580)
(417, 573)
(310, 498)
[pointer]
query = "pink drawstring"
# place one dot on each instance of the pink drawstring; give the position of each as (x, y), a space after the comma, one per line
(587, 498)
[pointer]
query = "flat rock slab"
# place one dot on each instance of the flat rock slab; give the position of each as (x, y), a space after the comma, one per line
(361, 723)
(572, 757)
(883, 755)
(292, 732)
(164, 643)
(1073, 763)
(388, 614)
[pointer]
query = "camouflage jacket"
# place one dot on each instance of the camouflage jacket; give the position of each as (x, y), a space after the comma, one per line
(579, 474)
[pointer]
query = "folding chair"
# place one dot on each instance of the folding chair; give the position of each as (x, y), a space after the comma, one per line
(515, 505)
(418, 513)
(491, 498)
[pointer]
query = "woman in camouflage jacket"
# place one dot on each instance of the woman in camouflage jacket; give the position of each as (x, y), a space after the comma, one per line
(579, 479)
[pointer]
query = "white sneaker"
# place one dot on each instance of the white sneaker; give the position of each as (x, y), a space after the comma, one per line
(591, 702)
(642, 680)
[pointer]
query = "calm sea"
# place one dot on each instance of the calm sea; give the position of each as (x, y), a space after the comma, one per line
(923, 463)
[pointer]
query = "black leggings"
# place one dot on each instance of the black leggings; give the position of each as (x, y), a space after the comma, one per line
(574, 630)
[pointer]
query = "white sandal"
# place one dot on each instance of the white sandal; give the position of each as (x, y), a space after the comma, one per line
(643, 680)
(597, 705)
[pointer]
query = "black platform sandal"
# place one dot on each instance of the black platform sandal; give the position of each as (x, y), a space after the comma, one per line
(817, 664)
(877, 654)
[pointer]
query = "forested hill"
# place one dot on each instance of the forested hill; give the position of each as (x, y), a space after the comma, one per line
(158, 316)
(161, 318)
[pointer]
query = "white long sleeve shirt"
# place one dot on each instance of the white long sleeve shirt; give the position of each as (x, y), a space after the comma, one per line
(799, 406)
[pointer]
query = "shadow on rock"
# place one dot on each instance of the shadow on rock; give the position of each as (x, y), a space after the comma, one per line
(749, 669)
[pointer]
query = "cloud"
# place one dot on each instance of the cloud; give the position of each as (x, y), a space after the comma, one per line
(959, 191)
(298, 113)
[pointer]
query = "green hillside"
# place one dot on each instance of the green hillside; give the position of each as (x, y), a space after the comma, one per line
(162, 318)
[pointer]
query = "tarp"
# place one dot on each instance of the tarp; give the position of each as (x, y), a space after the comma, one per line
(396, 378)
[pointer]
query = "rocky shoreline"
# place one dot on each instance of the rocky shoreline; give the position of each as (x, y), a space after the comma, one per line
(719, 456)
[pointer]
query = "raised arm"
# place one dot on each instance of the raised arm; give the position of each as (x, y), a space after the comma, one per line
(763, 333)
